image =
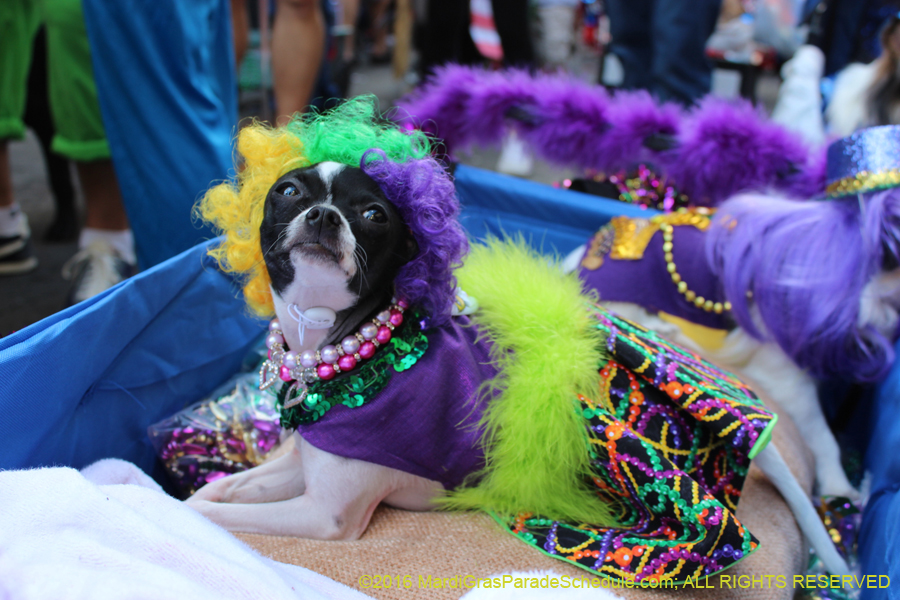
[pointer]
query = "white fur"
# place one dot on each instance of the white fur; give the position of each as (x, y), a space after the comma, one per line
(313, 286)
(799, 105)
(328, 171)
(573, 259)
(772, 464)
(311, 493)
(847, 112)
(879, 301)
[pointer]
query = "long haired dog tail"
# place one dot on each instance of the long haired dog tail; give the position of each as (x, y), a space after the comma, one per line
(711, 152)
(775, 468)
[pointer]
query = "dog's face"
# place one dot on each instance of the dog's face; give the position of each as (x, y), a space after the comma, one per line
(331, 238)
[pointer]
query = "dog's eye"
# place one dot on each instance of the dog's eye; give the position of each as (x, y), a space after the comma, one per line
(288, 189)
(376, 215)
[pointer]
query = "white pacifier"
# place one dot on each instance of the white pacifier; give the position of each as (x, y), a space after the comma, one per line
(317, 317)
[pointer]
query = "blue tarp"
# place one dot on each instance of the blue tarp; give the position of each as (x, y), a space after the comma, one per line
(85, 383)
(554, 219)
(166, 82)
(880, 536)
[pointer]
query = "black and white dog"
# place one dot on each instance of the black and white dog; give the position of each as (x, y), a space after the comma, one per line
(333, 243)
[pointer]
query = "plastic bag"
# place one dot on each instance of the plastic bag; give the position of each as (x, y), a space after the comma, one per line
(223, 434)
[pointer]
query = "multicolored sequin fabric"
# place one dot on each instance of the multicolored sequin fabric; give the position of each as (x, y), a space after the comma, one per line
(670, 437)
(842, 519)
(406, 347)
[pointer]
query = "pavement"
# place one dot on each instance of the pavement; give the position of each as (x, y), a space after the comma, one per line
(25, 299)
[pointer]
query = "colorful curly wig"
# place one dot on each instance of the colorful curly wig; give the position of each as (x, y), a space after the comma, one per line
(355, 135)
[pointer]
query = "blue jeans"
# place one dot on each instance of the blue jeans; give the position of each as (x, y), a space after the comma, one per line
(661, 44)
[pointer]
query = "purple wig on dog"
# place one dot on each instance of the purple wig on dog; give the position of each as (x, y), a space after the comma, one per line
(806, 264)
(426, 200)
(718, 149)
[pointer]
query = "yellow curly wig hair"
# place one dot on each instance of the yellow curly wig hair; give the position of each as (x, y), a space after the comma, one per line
(236, 208)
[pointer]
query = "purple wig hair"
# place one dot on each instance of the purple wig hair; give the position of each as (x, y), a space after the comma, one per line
(718, 149)
(803, 266)
(426, 200)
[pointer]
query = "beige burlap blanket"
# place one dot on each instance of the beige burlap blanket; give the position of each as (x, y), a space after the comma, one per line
(448, 546)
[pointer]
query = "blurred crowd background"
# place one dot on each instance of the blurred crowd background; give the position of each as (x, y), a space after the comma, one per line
(116, 117)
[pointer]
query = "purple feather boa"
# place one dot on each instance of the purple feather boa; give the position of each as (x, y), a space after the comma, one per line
(710, 153)
(806, 264)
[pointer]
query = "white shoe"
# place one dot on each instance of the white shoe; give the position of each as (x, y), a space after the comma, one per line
(95, 269)
(515, 157)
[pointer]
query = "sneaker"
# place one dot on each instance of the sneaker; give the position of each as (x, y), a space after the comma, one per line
(16, 252)
(94, 269)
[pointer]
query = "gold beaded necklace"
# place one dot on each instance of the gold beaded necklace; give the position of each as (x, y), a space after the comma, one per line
(625, 238)
(691, 296)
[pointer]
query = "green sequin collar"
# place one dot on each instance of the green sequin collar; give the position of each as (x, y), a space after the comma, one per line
(361, 386)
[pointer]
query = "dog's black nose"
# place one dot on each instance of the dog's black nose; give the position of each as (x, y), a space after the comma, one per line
(324, 215)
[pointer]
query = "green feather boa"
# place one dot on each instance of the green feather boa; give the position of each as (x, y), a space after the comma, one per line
(548, 349)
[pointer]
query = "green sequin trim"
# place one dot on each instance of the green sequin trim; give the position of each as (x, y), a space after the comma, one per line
(402, 352)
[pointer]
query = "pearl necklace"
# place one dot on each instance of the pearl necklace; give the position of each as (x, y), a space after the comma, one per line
(309, 366)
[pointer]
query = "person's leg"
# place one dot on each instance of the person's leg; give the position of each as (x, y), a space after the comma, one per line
(37, 117)
(16, 253)
(349, 16)
(444, 35)
(107, 252)
(680, 70)
(6, 191)
(18, 22)
(629, 24)
(298, 43)
(380, 27)
(557, 33)
(240, 30)
(98, 180)
(511, 20)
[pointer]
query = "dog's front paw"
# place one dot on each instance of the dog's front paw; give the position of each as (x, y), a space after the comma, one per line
(208, 509)
(216, 491)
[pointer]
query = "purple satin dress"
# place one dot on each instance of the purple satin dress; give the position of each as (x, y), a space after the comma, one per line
(425, 421)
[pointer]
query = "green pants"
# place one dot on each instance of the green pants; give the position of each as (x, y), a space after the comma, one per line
(73, 94)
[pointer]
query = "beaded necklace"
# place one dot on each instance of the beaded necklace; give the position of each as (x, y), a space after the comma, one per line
(625, 238)
(303, 369)
(300, 406)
